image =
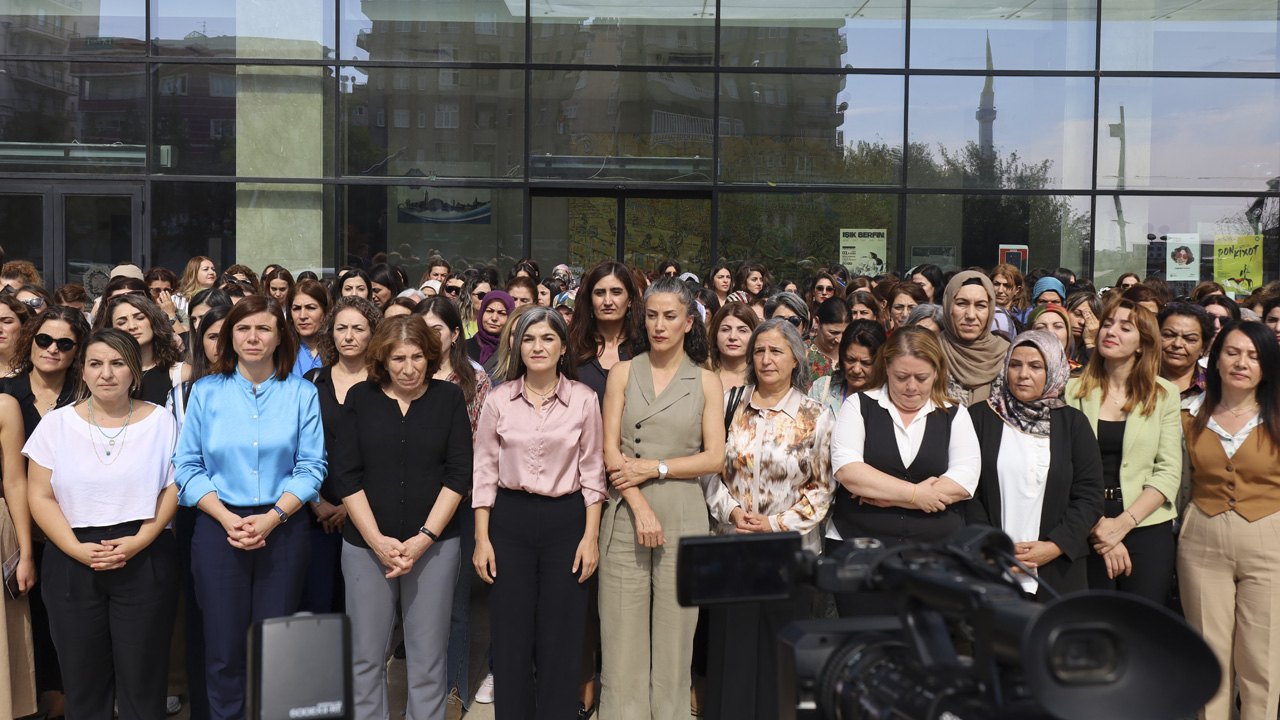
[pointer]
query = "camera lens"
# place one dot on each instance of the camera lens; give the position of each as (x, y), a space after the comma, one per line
(1084, 654)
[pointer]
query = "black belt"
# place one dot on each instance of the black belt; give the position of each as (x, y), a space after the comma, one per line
(1112, 494)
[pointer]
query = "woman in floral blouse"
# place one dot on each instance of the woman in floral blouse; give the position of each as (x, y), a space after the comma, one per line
(776, 478)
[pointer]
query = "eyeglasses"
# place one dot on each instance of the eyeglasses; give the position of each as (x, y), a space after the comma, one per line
(478, 294)
(452, 289)
(34, 303)
(64, 344)
(156, 291)
(796, 321)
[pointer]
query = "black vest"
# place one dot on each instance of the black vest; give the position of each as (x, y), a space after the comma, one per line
(894, 525)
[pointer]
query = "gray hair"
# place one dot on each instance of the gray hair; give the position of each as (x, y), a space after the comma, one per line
(926, 311)
(799, 376)
(790, 301)
(567, 365)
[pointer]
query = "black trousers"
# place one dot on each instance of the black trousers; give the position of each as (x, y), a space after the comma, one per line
(537, 607)
(742, 671)
(1153, 552)
(112, 628)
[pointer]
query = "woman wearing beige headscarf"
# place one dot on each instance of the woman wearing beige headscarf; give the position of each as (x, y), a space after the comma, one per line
(974, 355)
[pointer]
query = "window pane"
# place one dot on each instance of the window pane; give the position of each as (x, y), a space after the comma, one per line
(784, 128)
(246, 120)
(1000, 132)
(668, 229)
(577, 231)
(1171, 35)
(1188, 133)
(22, 217)
(190, 219)
(978, 34)
(612, 126)
(469, 227)
(68, 28)
(1141, 235)
(282, 29)
(582, 31)
(445, 31)
(793, 234)
(812, 34)
(98, 232)
(433, 122)
(73, 117)
(957, 231)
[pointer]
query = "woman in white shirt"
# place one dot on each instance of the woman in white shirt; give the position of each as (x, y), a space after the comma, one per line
(890, 490)
(101, 487)
(1041, 476)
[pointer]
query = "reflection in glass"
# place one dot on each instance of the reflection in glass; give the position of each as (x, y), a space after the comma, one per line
(22, 217)
(1000, 132)
(611, 126)
(985, 34)
(457, 31)
(958, 231)
(583, 31)
(577, 231)
(1172, 35)
(72, 117)
(282, 29)
(1139, 234)
(812, 34)
(247, 120)
(783, 128)
(54, 27)
(190, 219)
(433, 122)
(660, 229)
(796, 233)
(98, 232)
(469, 227)
(1188, 133)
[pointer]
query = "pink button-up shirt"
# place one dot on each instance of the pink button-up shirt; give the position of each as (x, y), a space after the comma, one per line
(552, 453)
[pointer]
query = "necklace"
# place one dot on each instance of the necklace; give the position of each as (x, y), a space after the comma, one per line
(111, 439)
(541, 395)
(1239, 411)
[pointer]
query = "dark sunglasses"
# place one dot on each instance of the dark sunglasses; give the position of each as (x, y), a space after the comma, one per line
(452, 289)
(64, 344)
(479, 295)
(34, 303)
(796, 321)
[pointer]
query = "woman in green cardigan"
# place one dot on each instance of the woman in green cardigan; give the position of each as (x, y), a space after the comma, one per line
(1135, 415)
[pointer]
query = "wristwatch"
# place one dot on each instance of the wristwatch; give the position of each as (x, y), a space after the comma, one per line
(284, 516)
(663, 469)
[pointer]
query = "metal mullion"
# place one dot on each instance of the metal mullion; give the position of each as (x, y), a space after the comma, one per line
(620, 241)
(714, 249)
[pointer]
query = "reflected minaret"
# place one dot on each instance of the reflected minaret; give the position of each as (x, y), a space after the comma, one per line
(986, 115)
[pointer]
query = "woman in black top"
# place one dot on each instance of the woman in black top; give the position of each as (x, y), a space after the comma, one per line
(161, 353)
(48, 377)
(344, 342)
(603, 331)
(402, 464)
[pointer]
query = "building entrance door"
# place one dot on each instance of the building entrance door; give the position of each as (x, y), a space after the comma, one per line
(73, 232)
(641, 229)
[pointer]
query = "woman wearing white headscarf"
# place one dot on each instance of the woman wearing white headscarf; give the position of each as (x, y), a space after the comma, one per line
(1041, 478)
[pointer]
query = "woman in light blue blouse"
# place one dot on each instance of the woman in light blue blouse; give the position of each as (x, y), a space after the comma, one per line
(250, 454)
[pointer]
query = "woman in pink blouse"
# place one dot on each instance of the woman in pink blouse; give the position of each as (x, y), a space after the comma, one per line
(539, 485)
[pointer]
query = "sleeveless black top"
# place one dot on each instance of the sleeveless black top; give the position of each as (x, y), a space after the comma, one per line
(894, 525)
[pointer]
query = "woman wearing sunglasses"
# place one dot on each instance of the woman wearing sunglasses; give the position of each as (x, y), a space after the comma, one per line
(47, 366)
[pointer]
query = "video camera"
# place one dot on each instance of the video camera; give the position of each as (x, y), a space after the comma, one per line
(1084, 656)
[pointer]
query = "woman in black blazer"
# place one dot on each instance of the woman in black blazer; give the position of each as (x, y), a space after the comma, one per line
(1041, 476)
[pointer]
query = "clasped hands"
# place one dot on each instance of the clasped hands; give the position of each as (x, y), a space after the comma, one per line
(1108, 541)
(399, 556)
(745, 521)
(109, 554)
(927, 496)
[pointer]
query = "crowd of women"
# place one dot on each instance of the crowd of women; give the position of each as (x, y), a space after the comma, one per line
(184, 457)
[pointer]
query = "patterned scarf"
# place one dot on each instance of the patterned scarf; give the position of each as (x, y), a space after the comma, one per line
(1032, 417)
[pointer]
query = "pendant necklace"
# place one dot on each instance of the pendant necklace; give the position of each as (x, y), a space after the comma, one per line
(111, 439)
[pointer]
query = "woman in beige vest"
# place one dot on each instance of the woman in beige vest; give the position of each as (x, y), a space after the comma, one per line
(1228, 557)
(663, 428)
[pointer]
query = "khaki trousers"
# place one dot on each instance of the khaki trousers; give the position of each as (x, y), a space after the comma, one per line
(1229, 577)
(646, 638)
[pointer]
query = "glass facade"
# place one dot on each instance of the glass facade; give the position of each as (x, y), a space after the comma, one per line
(317, 133)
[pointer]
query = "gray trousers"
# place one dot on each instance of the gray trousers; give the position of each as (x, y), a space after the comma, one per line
(424, 598)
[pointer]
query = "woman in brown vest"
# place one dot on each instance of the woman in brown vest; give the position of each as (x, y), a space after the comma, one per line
(1228, 554)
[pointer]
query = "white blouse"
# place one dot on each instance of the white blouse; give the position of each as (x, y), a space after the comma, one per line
(94, 489)
(1023, 471)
